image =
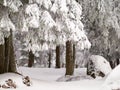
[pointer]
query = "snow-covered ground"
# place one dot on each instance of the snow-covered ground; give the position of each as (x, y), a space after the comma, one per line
(45, 79)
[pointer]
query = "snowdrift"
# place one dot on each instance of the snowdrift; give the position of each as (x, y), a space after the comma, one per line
(98, 66)
(113, 80)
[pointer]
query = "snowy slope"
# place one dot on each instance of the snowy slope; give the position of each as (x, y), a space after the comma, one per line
(113, 80)
(45, 79)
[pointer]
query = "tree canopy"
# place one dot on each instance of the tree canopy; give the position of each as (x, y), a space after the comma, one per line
(47, 23)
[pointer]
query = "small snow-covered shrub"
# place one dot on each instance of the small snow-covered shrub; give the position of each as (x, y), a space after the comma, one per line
(98, 66)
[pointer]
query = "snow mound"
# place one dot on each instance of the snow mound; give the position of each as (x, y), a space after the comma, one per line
(36, 84)
(99, 66)
(113, 80)
(15, 77)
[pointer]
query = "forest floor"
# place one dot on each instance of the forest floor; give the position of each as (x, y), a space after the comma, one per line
(52, 79)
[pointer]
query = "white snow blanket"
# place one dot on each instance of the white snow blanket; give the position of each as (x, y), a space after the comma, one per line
(45, 79)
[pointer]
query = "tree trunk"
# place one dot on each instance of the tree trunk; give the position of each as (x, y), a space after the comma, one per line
(57, 56)
(117, 61)
(12, 62)
(69, 58)
(2, 58)
(112, 64)
(31, 59)
(7, 50)
(74, 53)
(49, 60)
(76, 0)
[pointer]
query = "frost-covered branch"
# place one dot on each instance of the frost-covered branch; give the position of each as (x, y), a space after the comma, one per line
(13, 4)
(48, 22)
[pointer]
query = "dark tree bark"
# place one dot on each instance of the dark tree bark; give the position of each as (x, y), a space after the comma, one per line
(12, 62)
(117, 61)
(31, 59)
(112, 64)
(49, 59)
(7, 52)
(58, 56)
(2, 58)
(76, 0)
(69, 58)
(117, 56)
(25, 1)
(74, 53)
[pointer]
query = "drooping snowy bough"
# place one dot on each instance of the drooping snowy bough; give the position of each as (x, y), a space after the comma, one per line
(47, 22)
(54, 22)
(51, 23)
(7, 7)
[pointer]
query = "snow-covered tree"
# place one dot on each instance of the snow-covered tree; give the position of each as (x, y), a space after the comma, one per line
(46, 23)
(6, 42)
